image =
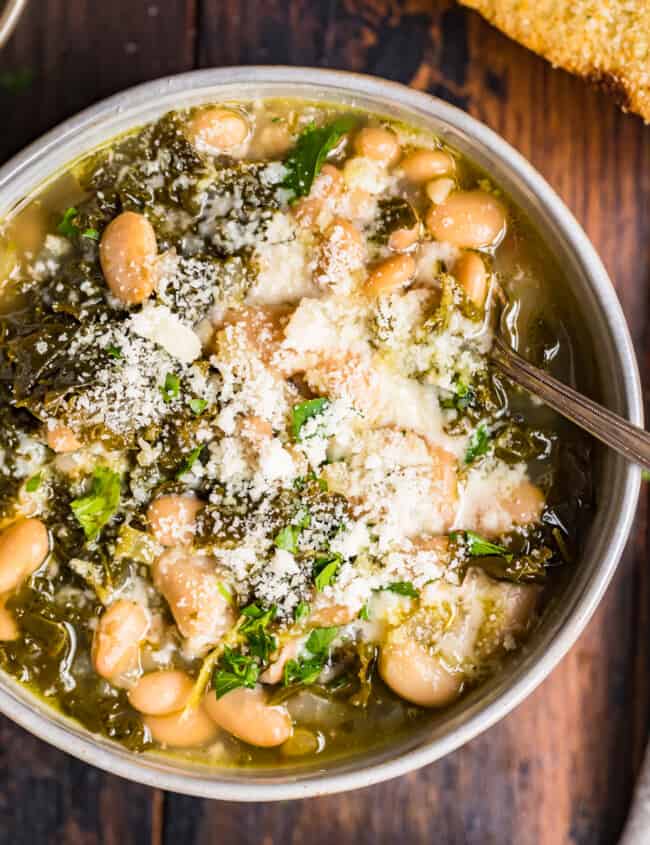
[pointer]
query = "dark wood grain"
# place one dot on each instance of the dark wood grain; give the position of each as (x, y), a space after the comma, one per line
(82, 51)
(560, 769)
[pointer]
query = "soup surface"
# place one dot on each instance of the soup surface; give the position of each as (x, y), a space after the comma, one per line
(263, 496)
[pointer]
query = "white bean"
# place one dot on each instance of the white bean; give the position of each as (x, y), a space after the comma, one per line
(245, 714)
(390, 274)
(8, 627)
(185, 729)
(127, 253)
(24, 545)
(62, 439)
(160, 693)
(116, 643)
(173, 518)
(190, 585)
(215, 130)
(415, 675)
(470, 219)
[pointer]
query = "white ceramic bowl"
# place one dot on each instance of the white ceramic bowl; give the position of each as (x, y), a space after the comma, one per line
(615, 362)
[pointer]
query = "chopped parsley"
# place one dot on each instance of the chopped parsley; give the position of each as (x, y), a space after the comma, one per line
(304, 411)
(461, 399)
(189, 461)
(310, 153)
(262, 645)
(95, 509)
(115, 352)
(478, 445)
(171, 389)
(197, 406)
(306, 670)
(478, 546)
(287, 538)
(320, 640)
(32, 484)
(254, 628)
(326, 567)
(403, 588)
(225, 592)
(66, 227)
(302, 611)
(235, 670)
(364, 613)
(257, 617)
(69, 229)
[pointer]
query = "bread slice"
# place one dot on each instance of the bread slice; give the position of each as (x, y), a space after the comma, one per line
(605, 41)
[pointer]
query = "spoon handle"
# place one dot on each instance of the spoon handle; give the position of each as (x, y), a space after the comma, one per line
(627, 439)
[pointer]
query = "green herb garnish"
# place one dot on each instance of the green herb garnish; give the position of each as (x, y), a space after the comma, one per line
(254, 628)
(304, 411)
(287, 537)
(478, 444)
(307, 670)
(235, 670)
(95, 509)
(114, 352)
(364, 613)
(189, 461)
(197, 406)
(171, 388)
(320, 639)
(66, 227)
(225, 592)
(302, 611)
(308, 156)
(403, 588)
(462, 398)
(478, 546)
(325, 568)
(69, 229)
(32, 484)
(257, 617)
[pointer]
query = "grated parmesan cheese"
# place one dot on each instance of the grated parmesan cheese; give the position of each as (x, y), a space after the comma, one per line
(157, 323)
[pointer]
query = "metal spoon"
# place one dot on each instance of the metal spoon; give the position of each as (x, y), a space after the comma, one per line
(9, 18)
(627, 439)
(630, 441)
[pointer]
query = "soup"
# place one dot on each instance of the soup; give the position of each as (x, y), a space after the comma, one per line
(263, 496)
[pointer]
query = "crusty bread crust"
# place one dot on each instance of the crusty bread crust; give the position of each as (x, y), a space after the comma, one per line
(605, 41)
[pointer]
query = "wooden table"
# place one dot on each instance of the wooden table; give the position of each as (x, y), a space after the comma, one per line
(561, 767)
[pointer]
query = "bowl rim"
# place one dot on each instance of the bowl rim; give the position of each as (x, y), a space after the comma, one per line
(139, 768)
